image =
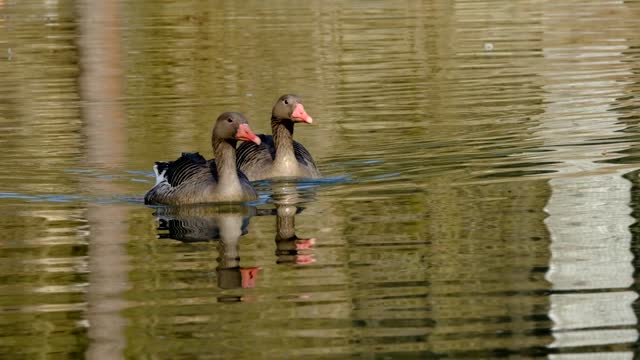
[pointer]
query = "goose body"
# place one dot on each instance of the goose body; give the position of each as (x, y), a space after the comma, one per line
(192, 179)
(278, 155)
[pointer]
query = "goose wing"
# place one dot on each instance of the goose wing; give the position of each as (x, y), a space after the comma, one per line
(303, 155)
(249, 153)
(181, 170)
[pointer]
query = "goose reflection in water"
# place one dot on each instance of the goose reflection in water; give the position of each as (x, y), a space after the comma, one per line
(225, 224)
(289, 247)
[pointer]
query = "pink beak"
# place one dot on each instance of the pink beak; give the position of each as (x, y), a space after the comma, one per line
(245, 134)
(305, 244)
(300, 115)
(249, 276)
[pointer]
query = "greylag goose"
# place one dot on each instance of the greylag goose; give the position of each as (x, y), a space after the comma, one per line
(191, 179)
(279, 155)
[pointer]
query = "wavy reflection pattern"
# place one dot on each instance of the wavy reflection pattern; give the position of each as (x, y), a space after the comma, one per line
(589, 215)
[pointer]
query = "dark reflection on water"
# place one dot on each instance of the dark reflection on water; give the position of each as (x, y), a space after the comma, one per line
(225, 224)
(481, 194)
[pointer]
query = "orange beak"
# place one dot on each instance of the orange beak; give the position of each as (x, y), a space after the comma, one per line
(300, 115)
(245, 134)
(249, 276)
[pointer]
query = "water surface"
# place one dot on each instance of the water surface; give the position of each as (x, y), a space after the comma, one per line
(480, 199)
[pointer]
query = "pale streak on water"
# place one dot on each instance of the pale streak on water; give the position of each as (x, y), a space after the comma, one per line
(481, 197)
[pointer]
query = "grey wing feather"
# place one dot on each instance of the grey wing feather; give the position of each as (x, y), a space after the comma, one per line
(302, 154)
(181, 170)
(254, 159)
(249, 152)
(175, 173)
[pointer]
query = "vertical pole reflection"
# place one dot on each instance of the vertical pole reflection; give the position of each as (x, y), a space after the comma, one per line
(101, 89)
(591, 269)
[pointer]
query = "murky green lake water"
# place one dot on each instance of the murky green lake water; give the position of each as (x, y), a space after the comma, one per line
(480, 200)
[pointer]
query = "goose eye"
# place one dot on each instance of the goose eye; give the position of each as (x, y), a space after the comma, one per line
(286, 102)
(229, 120)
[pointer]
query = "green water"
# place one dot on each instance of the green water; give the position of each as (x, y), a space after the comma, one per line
(480, 199)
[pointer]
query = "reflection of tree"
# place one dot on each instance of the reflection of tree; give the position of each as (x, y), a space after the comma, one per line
(105, 129)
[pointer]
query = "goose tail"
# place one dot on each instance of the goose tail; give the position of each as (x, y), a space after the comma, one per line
(160, 169)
